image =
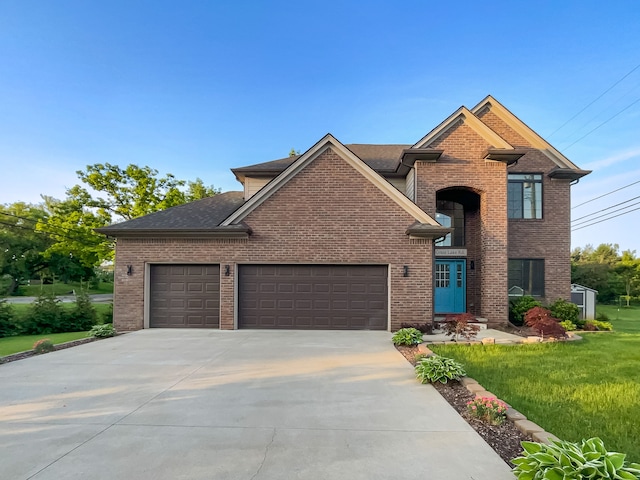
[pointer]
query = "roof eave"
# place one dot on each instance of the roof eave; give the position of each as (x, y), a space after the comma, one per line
(567, 174)
(504, 155)
(422, 230)
(411, 155)
(231, 231)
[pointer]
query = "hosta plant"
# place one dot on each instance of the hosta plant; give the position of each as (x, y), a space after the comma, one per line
(568, 325)
(439, 369)
(407, 336)
(488, 409)
(563, 460)
(102, 331)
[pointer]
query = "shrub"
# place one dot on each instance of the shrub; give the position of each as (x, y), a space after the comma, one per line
(458, 325)
(425, 328)
(439, 369)
(407, 336)
(540, 319)
(107, 316)
(566, 460)
(518, 308)
(568, 325)
(43, 346)
(83, 316)
(45, 316)
(597, 325)
(7, 325)
(565, 311)
(102, 331)
(603, 317)
(488, 409)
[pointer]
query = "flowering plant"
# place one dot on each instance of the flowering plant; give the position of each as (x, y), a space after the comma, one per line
(488, 409)
(43, 346)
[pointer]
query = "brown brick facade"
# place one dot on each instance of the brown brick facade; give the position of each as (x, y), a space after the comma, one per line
(462, 167)
(328, 213)
(550, 237)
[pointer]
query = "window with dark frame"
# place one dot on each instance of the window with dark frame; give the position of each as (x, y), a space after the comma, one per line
(451, 214)
(524, 196)
(526, 277)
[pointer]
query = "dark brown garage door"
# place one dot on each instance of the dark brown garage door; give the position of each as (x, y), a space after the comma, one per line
(185, 296)
(327, 297)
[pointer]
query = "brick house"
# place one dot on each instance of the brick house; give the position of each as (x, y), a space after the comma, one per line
(360, 236)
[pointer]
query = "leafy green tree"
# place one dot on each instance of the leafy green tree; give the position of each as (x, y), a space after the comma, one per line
(21, 247)
(121, 194)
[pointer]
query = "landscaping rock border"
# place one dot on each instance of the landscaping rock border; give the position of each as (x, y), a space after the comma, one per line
(60, 346)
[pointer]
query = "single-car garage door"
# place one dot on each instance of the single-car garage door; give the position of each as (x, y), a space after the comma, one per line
(330, 297)
(185, 296)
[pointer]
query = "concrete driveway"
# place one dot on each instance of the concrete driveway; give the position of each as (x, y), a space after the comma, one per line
(251, 405)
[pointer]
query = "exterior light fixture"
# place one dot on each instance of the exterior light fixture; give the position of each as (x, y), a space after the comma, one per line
(405, 271)
(129, 270)
(227, 270)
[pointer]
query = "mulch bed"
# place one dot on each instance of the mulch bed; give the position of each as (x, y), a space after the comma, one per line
(60, 346)
(504, 439)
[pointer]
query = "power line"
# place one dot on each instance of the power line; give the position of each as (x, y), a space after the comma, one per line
(603, 215)
(605, 194)
(604, 220)
(594, 101)
(603, 123)
(608, 208)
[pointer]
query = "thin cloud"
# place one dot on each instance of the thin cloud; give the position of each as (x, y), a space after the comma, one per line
(612, 160)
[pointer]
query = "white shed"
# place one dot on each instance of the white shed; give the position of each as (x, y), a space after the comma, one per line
(585, 299)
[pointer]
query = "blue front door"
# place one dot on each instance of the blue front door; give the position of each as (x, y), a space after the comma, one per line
(449, 283)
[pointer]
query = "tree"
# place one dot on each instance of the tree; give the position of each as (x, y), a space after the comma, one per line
(628, 269)
(71, 224)
(21, 246)
(121, 194)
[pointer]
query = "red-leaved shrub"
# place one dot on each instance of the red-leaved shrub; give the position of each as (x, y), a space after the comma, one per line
(540, 319)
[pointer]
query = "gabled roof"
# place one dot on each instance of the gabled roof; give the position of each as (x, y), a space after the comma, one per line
(198, 217)
(525, 131)
(383, 159)
(329, 141)
(466, 116)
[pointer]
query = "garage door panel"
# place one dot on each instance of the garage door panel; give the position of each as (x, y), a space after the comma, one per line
(184, 296)
(312, 296)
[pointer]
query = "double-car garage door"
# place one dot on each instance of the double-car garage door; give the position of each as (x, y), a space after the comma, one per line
(314, 297)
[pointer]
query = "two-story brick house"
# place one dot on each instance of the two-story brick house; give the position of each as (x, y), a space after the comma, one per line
(360, 236)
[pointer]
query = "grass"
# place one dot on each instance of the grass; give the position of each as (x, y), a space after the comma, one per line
(21, 343)
(573, 389)
(624, 319)
(63, 288)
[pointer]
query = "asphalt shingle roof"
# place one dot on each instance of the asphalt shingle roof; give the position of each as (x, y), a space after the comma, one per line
(203, 214)
(382, 158)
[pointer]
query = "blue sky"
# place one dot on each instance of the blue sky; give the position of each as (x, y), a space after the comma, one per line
(197, 87)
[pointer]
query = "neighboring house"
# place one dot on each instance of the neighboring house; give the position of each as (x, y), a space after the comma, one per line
(360, 236)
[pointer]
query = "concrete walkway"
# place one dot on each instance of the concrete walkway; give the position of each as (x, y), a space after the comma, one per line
(202, 404)
(498, 335)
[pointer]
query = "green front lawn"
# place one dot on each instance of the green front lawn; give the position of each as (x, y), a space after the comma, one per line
(625, 319)
(21, 343)
(573, 389)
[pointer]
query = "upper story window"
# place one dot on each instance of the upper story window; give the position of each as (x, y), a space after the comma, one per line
(524, 195)
(451, 214)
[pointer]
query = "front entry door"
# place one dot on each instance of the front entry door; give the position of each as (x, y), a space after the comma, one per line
(449, 283)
